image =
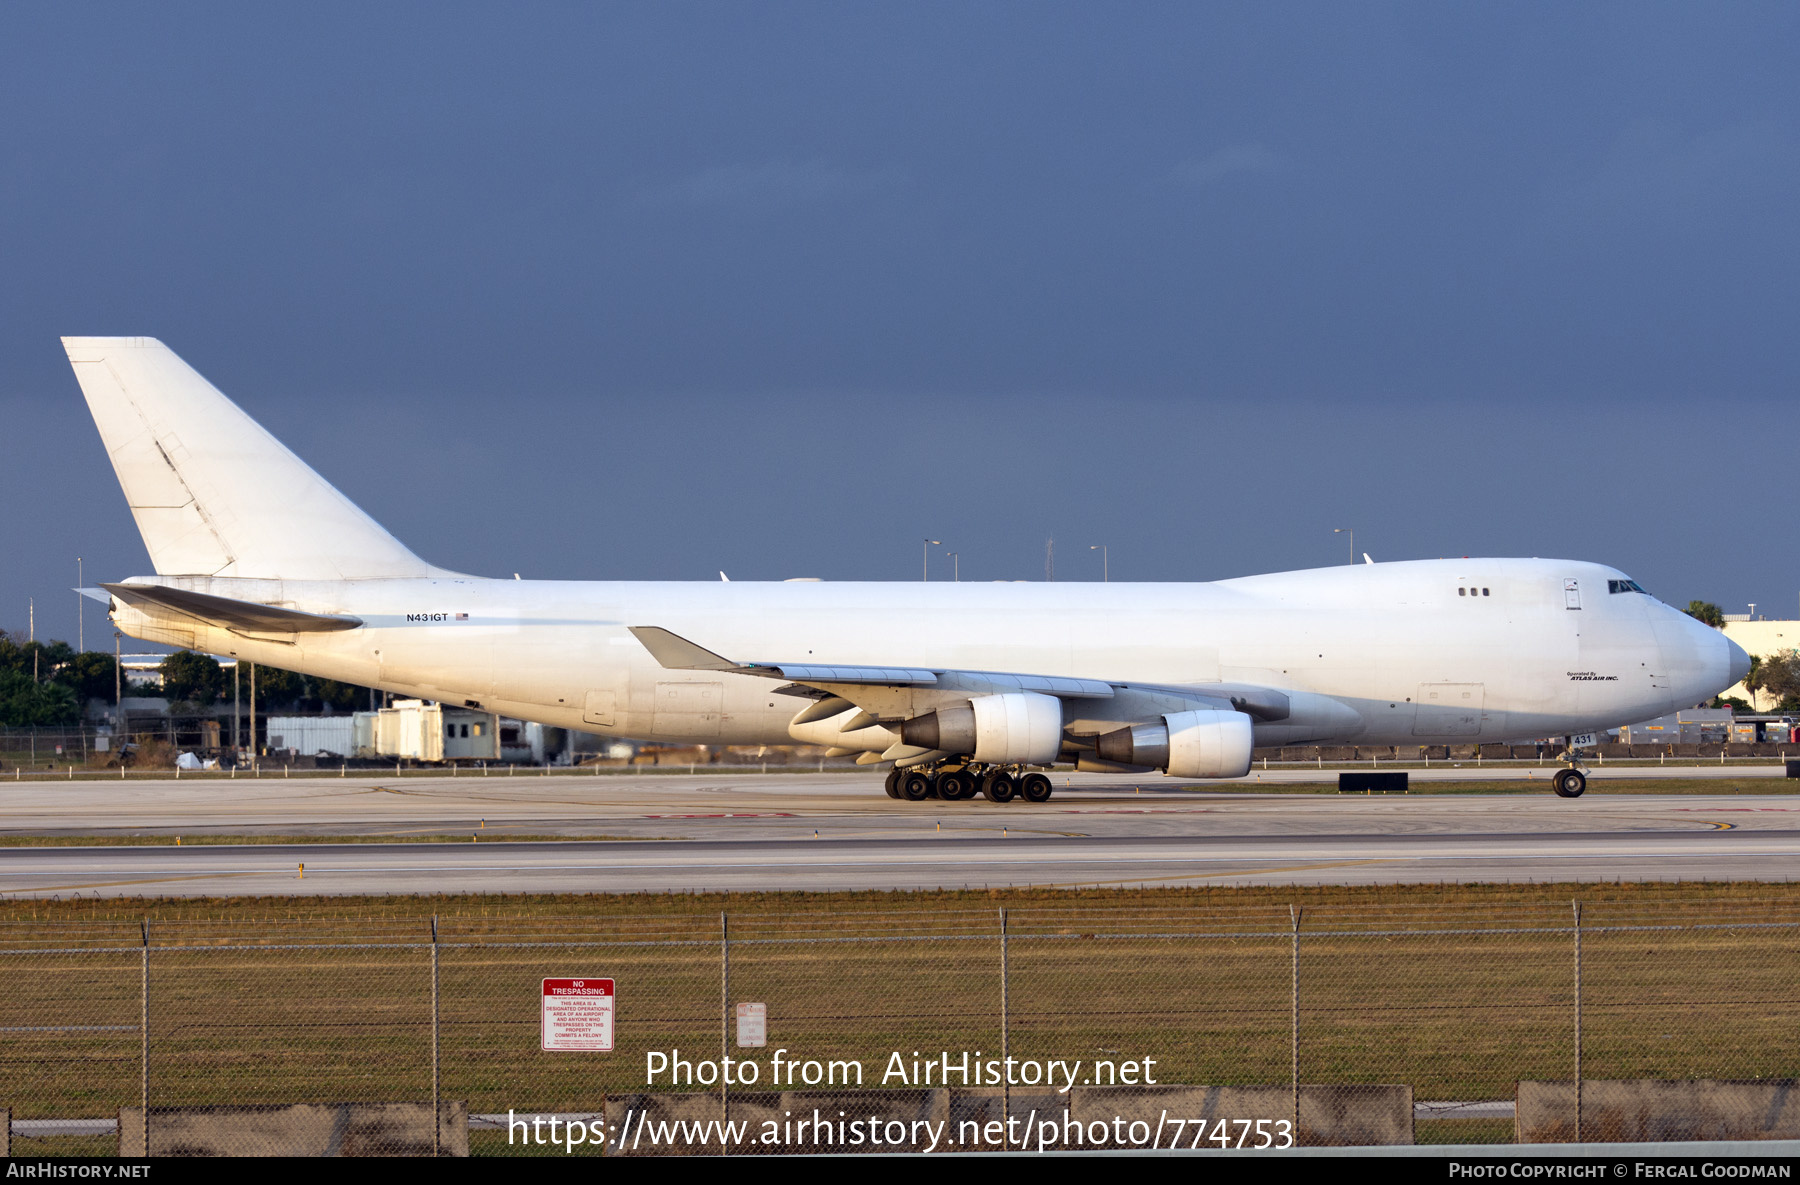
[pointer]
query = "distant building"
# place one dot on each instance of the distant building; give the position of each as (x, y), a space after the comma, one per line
(1760, 639)
(312, 736)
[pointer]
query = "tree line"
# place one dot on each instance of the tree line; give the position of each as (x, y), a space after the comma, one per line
(194, 682)
(47, 683)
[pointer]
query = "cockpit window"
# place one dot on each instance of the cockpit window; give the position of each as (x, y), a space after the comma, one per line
(1624, 586)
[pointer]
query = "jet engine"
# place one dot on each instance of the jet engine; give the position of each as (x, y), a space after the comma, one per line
(1016, 728)
(1201, 744)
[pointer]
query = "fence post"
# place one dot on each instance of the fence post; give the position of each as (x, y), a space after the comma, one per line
(1577, 905)
(1005, 1037)
(437, 1111)
(144, 1037)
(724, 1024)
(1294, 1025)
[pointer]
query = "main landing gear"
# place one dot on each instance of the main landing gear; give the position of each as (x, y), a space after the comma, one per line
(950, 784)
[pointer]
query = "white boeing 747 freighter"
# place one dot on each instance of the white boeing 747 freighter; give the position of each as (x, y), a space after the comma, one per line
(964, 688)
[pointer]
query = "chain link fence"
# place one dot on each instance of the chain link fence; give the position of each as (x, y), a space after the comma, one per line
(950, 1029)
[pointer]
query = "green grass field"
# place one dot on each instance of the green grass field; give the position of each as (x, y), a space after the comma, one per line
(187, 840)
(1458, 991)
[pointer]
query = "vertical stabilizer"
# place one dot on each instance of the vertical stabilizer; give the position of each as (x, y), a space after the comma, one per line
(213, 493)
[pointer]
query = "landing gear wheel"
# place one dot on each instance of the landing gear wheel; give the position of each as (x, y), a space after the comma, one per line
(1569, 783)
(893, 783)
(998, 787)
(953, 786)
(1035, 788)
(915, 787)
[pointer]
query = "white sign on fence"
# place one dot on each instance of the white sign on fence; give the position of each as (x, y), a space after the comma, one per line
(578, 1014)
(752, 1025)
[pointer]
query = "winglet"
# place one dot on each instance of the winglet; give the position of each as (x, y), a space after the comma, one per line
(676, 653)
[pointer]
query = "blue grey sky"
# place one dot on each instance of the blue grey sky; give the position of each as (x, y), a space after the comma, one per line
(647, 291)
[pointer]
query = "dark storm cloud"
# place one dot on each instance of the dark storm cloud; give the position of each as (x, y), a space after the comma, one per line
(652, 290)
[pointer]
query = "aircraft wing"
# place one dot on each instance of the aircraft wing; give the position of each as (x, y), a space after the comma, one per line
(864, 685)
(227, 613)
(868, 709)
(677, 653)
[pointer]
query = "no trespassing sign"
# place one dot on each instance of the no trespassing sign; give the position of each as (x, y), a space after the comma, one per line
(578, 1014)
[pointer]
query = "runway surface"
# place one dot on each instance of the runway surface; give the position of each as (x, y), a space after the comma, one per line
(838, 831)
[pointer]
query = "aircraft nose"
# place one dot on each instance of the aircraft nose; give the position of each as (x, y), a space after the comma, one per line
(1702, 661)
(1740, 661)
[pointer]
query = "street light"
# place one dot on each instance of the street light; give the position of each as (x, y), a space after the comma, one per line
(1347, 531)
(1105, 567)
(80, 610)
(956, 566)
(926, 551)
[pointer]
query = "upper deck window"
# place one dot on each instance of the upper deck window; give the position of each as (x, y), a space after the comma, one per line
(1624, 586)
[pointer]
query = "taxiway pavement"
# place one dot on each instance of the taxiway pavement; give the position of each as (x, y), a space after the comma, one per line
(838, 831)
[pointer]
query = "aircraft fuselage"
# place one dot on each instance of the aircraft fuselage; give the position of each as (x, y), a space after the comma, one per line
(1419, 652)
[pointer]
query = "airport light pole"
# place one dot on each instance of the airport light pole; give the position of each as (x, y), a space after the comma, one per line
(1105, 566)
(926, 552)
(1350, 532)
(955, 567)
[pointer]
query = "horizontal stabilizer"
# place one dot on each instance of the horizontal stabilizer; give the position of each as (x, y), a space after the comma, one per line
(229, 614)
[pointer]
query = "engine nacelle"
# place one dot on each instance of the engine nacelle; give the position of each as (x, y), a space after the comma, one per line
(1199, 744)
(1016, 728)
(950, 729)
(829, 731)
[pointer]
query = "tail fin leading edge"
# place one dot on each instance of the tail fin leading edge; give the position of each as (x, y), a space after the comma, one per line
(213, 493)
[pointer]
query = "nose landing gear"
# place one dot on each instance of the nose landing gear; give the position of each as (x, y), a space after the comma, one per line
(1572, 782)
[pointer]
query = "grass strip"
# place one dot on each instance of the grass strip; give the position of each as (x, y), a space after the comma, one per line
(168, 841)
